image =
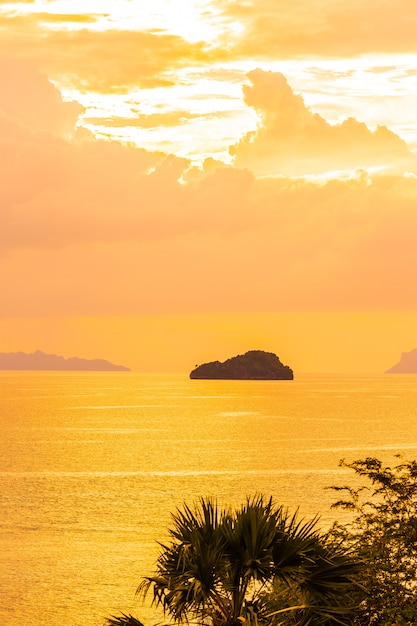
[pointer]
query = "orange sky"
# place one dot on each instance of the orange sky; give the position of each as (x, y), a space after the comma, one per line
(192, 180)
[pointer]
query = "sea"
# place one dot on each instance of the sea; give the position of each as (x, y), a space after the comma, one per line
(92, 465)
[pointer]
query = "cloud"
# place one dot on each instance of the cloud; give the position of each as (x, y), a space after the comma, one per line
(111, 59)
(27, 96)
(150, 120)
(326, 28)
(91, 227)
(65, 18)
(108, 61)
(293, 140)
(332, 248)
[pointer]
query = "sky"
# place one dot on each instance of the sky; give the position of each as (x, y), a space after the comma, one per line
(185, 180)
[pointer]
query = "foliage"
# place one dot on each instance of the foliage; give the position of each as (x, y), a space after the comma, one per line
(256, 564)
(384, 533)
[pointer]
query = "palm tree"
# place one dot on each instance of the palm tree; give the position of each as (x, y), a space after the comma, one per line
(257, 564)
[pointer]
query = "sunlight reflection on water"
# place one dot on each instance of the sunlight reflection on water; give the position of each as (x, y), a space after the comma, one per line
(87, 488)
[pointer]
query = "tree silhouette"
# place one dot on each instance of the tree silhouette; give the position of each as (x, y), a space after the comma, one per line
(256, 564)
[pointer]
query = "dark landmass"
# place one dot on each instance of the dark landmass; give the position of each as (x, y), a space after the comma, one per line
(253, 365)
(40, 361)
(407, 364)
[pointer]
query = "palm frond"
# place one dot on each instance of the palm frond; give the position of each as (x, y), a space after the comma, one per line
(123, 620)
(243, 565)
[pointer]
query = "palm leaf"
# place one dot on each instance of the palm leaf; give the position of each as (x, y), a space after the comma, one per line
(253, 564)
(123, 620)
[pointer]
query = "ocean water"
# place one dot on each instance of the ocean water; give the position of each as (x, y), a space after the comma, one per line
(92, 465)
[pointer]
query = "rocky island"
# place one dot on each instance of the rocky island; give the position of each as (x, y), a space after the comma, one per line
(407, 364)
(40, 361)
(253, 365)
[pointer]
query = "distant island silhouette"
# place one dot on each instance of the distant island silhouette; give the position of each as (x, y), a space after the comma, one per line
(40, 361)
(406, 365)
(253, 365)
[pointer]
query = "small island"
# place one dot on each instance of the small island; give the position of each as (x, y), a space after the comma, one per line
(40, 361)
(406, 365)
(253, 365)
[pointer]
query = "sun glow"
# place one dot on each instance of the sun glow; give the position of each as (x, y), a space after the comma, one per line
(311, 107)
(196, 108)
(194, 20)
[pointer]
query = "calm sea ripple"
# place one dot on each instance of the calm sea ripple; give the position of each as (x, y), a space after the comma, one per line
(92, 465)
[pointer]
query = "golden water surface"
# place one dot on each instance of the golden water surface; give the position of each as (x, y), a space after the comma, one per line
(92, 465)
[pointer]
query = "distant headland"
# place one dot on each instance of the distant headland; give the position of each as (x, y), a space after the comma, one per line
(40, 361)
(407, 364)
(253, 365)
